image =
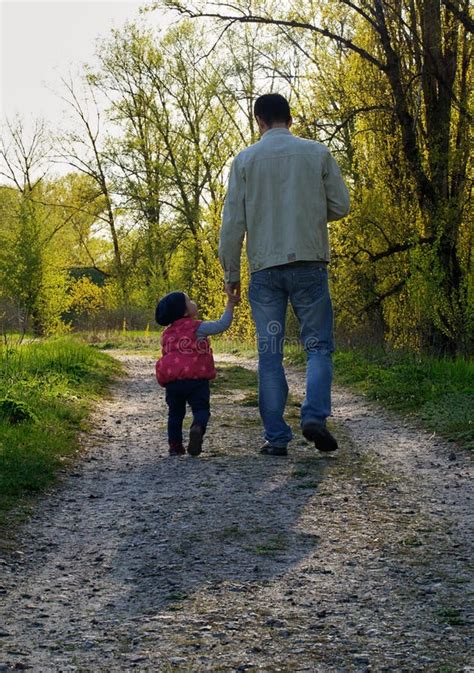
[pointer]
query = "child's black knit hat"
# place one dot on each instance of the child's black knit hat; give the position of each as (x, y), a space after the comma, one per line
(170, 308)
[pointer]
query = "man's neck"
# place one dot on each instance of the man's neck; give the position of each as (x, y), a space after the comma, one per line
(281, 125)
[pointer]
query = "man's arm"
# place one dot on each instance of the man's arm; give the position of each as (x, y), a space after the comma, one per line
(233, 225)
(337, 194)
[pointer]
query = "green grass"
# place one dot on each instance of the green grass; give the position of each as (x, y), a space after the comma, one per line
(439, 392)
(232, 532)
(271, 546)
(250, 399)
(128, 340)
(222, 344)
(149, 341)
(54, 383)
(234, 377)
(451, 616)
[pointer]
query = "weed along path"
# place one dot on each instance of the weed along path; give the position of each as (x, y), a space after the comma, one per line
(239, 562)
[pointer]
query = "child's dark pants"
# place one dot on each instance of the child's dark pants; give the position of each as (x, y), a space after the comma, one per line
(196, 393)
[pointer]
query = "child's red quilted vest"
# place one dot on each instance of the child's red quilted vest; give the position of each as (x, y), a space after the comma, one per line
(183, 355)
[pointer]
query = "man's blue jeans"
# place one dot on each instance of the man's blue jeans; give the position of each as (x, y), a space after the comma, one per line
(306, 287)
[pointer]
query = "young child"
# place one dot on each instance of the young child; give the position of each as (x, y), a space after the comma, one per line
(187, 365)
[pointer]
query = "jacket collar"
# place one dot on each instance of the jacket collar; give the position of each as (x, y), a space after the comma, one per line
(183, 321)
(276, 132)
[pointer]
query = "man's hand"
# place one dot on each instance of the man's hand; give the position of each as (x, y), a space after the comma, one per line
(233, 300)
(232, 289)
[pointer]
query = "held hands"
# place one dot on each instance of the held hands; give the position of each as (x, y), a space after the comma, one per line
(233, 300)
(232, 291)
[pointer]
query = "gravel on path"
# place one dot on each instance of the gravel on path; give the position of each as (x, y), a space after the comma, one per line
(234, 561)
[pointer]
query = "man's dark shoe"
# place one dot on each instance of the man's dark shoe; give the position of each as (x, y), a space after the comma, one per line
(270, 450)
(320, 435)
(176, 449)
(195, 440)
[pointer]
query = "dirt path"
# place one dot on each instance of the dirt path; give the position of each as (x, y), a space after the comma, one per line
(241, 562)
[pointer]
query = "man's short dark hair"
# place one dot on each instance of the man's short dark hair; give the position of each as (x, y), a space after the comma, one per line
(272, 109)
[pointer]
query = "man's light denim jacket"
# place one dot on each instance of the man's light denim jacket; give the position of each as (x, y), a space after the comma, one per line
(282, 192)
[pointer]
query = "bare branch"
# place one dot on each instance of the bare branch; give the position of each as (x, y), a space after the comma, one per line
(264, 20)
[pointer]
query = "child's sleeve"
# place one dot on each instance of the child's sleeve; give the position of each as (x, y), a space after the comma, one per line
(209, 327)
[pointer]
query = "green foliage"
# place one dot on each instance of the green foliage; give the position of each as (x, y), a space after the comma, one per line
(86, 300)
(35, 252)
(21, 257)
(45, 390)
(208, 289)
(54, 301)
(207, 284)
(401, 262)
(15, 411)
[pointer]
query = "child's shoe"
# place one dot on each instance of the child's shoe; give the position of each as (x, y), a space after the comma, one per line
(195, 440)
(177, 449)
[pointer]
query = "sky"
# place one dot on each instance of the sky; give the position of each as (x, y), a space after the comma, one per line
(42, 41)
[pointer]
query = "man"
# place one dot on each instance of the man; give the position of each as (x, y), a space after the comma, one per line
(282, 192)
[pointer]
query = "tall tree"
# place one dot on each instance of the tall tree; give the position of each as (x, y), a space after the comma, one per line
(24, 165)
(167, 98)
(83, 150)
(423, 49)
